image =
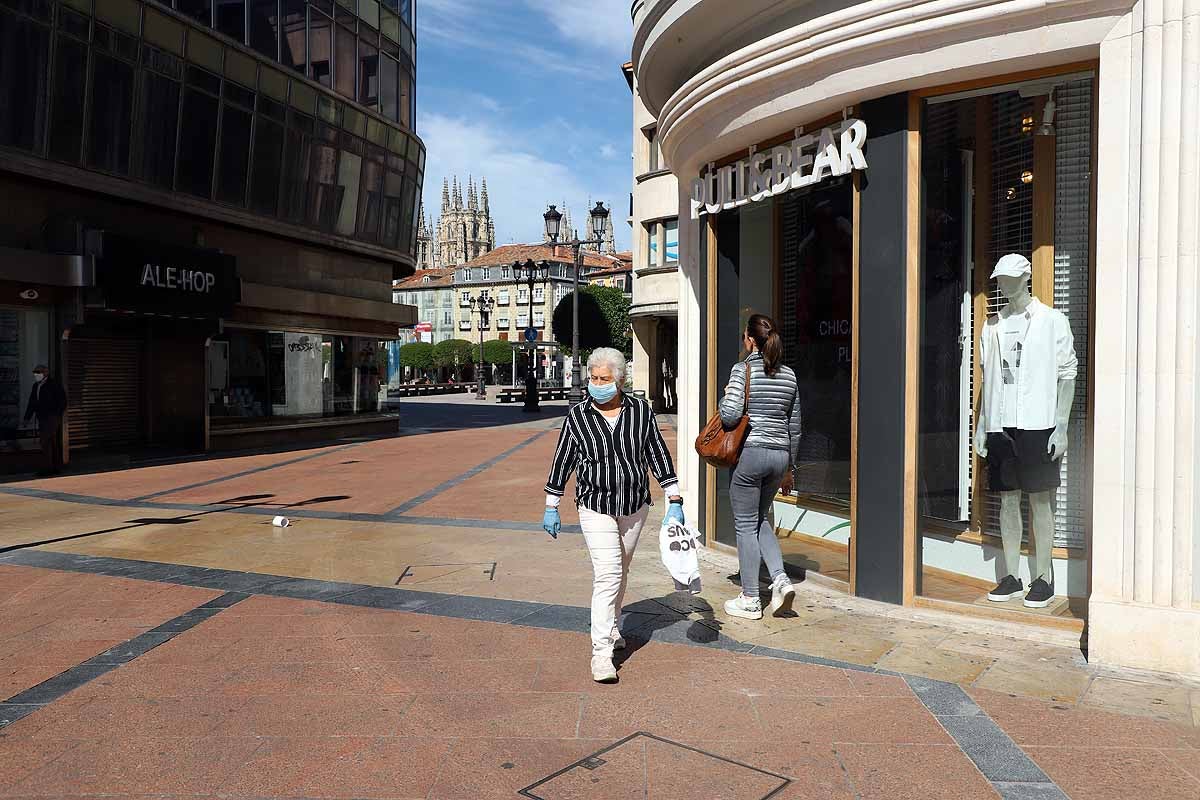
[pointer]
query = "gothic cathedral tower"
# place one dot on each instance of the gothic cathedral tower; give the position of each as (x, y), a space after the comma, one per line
(464, 229)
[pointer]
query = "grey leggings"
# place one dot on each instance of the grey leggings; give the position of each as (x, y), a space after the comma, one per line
(753, 483)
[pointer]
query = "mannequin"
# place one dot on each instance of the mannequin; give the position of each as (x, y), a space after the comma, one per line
(1029, 371)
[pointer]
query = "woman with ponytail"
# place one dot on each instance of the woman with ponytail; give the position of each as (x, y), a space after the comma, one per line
(765, 464)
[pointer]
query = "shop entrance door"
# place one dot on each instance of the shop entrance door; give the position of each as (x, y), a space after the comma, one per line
(105, 390)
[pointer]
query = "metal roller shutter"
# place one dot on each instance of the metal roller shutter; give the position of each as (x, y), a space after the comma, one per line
(105, 391)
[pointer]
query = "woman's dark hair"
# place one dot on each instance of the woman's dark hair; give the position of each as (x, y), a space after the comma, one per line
(762, 330)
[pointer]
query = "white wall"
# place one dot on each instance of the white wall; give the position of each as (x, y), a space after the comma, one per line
(302, 375)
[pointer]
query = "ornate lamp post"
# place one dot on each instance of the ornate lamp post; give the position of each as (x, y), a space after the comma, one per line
(530, 272)
(553, 219)
(485, 305)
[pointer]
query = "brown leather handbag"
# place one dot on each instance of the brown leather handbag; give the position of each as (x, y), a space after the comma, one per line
(720, 447)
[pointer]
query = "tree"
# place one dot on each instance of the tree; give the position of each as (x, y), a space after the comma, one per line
(603, 320)
(497, 352)
(418, 356)
(453, 354)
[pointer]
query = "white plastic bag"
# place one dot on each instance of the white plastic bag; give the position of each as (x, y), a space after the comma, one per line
(677, 544)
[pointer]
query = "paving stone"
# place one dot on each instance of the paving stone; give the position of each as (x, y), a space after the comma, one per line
(1057, 684)
(1168, 703)
(993, 752)
(929, 662)
(866, 720)
(925, 771)
(1029, 791)
(1101, 773)
(943, 699)
(479, 608)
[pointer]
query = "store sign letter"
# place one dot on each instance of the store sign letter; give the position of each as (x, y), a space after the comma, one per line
(805, 161)
(188, 280)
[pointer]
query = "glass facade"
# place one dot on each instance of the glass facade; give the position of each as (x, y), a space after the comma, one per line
(257, 376)
(123, 88)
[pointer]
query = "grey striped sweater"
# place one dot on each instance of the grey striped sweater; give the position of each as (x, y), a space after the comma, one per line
(774, 406)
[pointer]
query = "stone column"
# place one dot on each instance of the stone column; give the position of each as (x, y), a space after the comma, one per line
(1143, 610)
(692, 352)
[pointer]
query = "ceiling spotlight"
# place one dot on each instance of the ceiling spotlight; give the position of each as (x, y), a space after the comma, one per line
(1026, 177)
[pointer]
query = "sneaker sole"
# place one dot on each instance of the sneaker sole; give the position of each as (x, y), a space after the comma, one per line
(744, 614)
(604, 678)
(1000, 598)
(1038, 603)
(783, 604)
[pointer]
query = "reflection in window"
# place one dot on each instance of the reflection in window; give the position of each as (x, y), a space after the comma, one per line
(389, 88)
(24, 58)
(268, 156)
(368, 75)
(323, 193)
(347, 63)
(264, 27)
(160, 120)
(349, 174)
(291, 53)
(199, 10)
(370, 201)
(231, 18)
(408, 102)
(671, 241)
(24, 343)
(295, 175)
(234, 160)
(392, 202)
(197, 148)
(111, 114)
(320, 48)
(66, 114)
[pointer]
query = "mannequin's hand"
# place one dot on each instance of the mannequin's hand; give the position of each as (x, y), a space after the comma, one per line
(788, 485)
(1056, 448)
(981, 448)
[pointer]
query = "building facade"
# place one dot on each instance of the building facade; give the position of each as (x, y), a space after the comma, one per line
(210, 203)
(464, 229)
(856, 169)
(431, 293)
(654, 220)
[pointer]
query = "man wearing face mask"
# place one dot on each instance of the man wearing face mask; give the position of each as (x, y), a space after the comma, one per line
(47, 403)
(609, 441)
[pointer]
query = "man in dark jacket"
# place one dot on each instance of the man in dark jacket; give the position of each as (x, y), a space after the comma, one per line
(47, 402)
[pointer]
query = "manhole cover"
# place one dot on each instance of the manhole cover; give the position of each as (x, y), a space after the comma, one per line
(648, 767)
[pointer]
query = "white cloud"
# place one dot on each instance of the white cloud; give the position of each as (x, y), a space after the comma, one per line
(595, 23)
(520, 182)
(608, 151)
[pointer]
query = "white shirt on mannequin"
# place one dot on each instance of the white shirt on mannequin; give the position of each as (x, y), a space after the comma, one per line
(1047, 356)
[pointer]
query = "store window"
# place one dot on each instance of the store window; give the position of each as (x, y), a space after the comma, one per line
(1006, 171)
(652, 160)
(662, 243)
(24, 344)
(259, 376)
(791, 258)
(25, 44)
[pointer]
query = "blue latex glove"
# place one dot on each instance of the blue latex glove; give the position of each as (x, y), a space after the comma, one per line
(551, 522)
(674, 514)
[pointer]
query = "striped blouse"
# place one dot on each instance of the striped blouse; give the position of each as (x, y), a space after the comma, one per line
(610, 461)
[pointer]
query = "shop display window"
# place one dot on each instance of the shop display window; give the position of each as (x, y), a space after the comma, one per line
(257, 376)
(791, 257)
(1006, 171)
(24, 343)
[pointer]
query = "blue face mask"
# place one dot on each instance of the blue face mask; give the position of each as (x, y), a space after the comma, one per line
(602, 394)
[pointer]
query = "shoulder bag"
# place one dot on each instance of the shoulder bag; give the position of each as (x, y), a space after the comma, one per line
(720, 447)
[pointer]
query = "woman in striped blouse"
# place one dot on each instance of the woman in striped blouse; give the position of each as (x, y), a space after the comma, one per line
(608, 441)
(765, 464)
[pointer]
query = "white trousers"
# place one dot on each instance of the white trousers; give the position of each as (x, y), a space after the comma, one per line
(610, 542)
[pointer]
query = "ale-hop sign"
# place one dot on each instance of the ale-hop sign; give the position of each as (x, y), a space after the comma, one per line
(137, 275)
(807, 160)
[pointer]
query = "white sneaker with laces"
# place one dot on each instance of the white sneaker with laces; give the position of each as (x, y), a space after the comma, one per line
(782, 596)
(618, 640)
(744, 607)
(603, 670)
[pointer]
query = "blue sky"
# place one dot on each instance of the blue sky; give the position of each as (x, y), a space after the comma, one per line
(528, 93)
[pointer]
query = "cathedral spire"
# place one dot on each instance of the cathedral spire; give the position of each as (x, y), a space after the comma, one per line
(445, 196)
(472, 200)
(483, 198)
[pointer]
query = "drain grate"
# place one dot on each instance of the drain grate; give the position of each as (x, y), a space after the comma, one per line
(647, 766)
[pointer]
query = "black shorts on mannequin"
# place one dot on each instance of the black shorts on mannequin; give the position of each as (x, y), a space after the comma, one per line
(1017, 461)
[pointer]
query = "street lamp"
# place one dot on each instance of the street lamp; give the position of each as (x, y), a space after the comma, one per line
(485, 305)
(530, 272)
(553, 219)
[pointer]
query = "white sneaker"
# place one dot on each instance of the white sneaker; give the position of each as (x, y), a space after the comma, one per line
(744, 607)
(782, 596)
(603, 670)
(618, 640)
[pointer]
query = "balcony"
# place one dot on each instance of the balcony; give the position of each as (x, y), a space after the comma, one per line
(464, 324)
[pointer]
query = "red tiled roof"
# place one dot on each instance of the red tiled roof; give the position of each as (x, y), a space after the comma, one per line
(619, 270)
(437, 277)
(508, 254)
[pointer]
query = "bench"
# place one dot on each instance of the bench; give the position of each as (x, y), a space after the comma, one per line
(427, 390)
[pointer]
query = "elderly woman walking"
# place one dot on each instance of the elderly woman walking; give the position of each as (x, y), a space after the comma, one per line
(765, 464)
(608, 441)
